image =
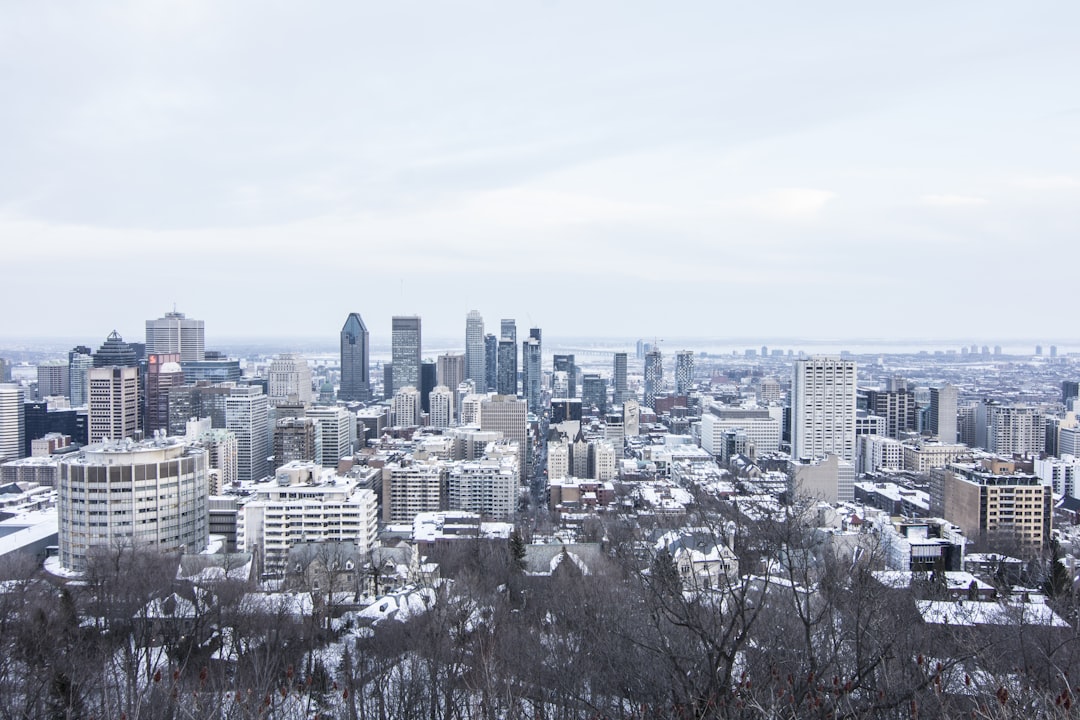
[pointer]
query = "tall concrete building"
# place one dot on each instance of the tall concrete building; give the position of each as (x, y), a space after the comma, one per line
(114, 351)
(943, 413)
(114, 403)
(338, 433)
(441, 404)
(684, 371)
(475, 369)
(151, 494)
(247, 415)
(654, 377)
(297, 439)
(532, 373)
(355, 360)
(594, 392)
(52, 379)
(992, 500)
(175, 333)
(405, 344)
(618, 379)
(450, 370)
(823, 399)
(407, 410)
(897, 406)
(12, 423)
(510, 416)
(289, 377)
(1010, 429)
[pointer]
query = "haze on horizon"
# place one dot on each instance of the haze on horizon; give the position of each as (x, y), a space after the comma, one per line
(595, 169)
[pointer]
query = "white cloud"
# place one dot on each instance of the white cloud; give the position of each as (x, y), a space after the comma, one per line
(953, 200)
(786, 203)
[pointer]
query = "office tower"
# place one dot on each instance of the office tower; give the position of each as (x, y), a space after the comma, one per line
(897, 406)
(441, 407)
(618, 379)
(450, 370)
(52, 379)
(565, 363)
(594, 392)
(405, 349)
(388, 381)
(163, 373)
(654, 377)
(491, 362)
(247, 415)
(506, 383)
(41, 420)
(151, 494)
(474, 350)
(407, 407)
(12, 423)
(355, 379)
(943, 413)
(823, 408)
(531, 372)
(1069, 390)
(289, 377)
(78, 363)
(297, 439)
(338, 433)
(508, 415)
(175, 333)
(428, 381)
(761, 428)
(114, 403)
(560, 384)
(5, 371)
(508, 330)
(200, 400)
(221, 447)
(212, 370)
(684, 371)
(114, 351)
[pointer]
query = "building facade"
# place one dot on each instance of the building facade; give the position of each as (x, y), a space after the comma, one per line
(177, 334)
(355, 360)
(405, 344)
(823, 399)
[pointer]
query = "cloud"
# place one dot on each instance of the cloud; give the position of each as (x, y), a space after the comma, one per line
(946, 201)
(787, 203)
(1048, 182)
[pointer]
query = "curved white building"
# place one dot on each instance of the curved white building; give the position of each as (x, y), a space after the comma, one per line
(152, 494)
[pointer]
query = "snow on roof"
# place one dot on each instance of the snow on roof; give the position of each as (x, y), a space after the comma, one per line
(974, 612)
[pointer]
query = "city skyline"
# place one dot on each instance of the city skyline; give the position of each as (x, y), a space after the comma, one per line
(805, 162)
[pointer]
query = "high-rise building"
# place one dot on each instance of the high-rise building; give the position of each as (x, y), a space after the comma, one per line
(289, 378)
(247, 415)
(428, 381)
(491, 362)
(508, 415)
(565, 363)
(114, 351)
(594, 392)
(1010, 429)
(78, 363)
(506, 383)
(618, 380)
(508, 330)
(407, 407)
(486, 486)
(12, 423)
(991, 500)
(943, 413)
(1069, 389)
(531, 370)
(175, 333)
(897, 406)
(474, 350)
(297, 439)
(441, 404)
(163, 372)
(411, 488)
(52, 379)
(654, 376)
(405, 346)
(684, 372)
(823, 396)
(355, 377)
(450, 370)
(338, 433)
(151, 494)
(114, 403)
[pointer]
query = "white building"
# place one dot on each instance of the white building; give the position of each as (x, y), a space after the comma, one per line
(338, 432)
(305, 503)
(474, 349)
(603, 455)
(222, 453)
(487, 487)
(411, 488)
(441, 406)
(113, 403)
(247, 415)
(823, 395)
(175, 333)
(831, 479)
(924, 455)
(288, 379)
(12, 423)
(150, 494)
(407, 408)
(877, 452)
(761, 428)
(1060, 473)
(508, 415)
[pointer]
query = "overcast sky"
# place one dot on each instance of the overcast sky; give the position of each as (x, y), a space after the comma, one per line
(595, 168)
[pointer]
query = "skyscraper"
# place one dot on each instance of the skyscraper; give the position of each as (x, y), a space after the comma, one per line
(163, 372)
(114, 403)
(52, 379)
(474, 350)
(654, 376)
(491, 362)
(565, 363)
(405, 350)
(508, 415)
(175, 333)
(114, 351)
(943, 413)
(618, 379)
(450, 370)
(289, 376)
(12, 423)
(684, 371)
(247, 413)
(355, 378)
(80, 360)
(531, 371)
(823, 408)
(506, 382)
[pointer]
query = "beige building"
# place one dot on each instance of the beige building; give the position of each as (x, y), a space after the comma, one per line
(114, 403)
(990, 499)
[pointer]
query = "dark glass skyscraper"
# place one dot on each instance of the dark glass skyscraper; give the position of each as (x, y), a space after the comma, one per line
(491, 362)
(114, 351)
(355, 373)
(618, 379)
(405, 349)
